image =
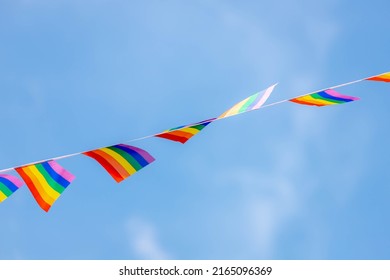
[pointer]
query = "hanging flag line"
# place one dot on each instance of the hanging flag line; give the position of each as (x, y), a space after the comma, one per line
(46, 179)
(250, 103)
(333, 87)
(276, 103)
(384, 77)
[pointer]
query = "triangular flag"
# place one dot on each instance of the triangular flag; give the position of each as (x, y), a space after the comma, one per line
(323, 98)
(253, 102)
(8, 185)
(380, 78)
(185, 132)
(121, 161)
(46, 181)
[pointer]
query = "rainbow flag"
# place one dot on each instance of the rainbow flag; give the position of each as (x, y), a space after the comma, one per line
(323, 98)
(121, 161)
(381, 78)
(8, 185)
(253, 102)
(185, 132)
(46, 181)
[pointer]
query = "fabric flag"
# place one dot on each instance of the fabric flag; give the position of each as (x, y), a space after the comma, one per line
(46, 181)
(323, 98)
(253, 102)
(381, 78)
(185, 132)
(121, 161)
(8, 185)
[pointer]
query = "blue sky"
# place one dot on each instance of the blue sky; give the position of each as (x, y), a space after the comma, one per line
(286, 182)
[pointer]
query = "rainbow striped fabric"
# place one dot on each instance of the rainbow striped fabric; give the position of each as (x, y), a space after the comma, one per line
(46, 181)
(185, 132)
(381, 78)
(323, 98)
(8, 185)
(253, 102)
(121, 161)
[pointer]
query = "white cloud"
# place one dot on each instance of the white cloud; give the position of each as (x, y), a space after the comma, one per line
(269, 199)
(274, 200)
(143, 240)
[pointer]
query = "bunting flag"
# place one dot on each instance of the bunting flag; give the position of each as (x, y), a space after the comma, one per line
(8, 185)
(323, 98)
(121, 161)
(185, 132)
(380, 78)
(253, 102)
(46, 181)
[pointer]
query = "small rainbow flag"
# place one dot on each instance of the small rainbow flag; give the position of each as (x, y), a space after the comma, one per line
(121, 161)
(46, 181)
(323, 98)
(253, 102)
(381, 78)
(185, 132)
(8, 185)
